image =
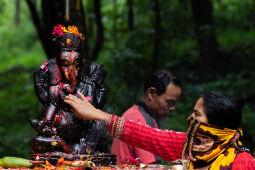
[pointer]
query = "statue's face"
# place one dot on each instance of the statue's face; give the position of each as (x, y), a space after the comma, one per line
(69, 65)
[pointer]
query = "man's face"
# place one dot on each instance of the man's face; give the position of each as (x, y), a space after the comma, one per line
(68, 60)
(164, 104)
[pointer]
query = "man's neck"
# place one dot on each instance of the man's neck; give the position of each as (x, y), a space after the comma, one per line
(144, 103)
(145, 100)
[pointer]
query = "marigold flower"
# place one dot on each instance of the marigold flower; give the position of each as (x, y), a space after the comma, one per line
(73, 29)
(49, 166)
(60, 161)
(68, 41)
(61, 30)
(64, 29)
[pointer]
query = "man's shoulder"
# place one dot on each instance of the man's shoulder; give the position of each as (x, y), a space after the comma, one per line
(134, 114)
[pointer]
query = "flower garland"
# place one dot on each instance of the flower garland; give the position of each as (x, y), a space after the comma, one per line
(60, 30)
(44, 66)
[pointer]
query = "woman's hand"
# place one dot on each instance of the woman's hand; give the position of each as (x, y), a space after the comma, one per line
(85, 110)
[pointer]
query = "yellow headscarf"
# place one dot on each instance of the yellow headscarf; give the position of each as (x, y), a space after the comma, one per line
(209, 144)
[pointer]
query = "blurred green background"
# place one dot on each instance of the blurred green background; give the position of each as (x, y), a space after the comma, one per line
(210, 44)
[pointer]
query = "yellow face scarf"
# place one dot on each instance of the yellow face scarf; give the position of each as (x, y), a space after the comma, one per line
(208, 144)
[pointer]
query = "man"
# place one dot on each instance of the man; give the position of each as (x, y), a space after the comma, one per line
(161, 91)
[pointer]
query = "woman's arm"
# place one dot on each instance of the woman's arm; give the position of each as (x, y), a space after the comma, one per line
(163, 143)
(166, 144)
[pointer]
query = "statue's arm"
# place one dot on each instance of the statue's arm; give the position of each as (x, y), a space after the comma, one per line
(49, 114)
(46, 76)
(41, 86)
(101, 95)
(98, 77)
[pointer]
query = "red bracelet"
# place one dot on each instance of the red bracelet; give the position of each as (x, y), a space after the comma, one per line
(110, 121)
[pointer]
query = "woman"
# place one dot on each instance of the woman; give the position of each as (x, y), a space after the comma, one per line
(211, 142)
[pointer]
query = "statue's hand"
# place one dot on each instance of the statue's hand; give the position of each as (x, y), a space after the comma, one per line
(43, 127)
(98, 73)
(47, 129)
(67, 88)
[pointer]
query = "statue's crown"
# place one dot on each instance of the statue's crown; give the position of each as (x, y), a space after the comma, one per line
(69, 37)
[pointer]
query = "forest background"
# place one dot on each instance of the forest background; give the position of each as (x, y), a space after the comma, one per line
(210, 44)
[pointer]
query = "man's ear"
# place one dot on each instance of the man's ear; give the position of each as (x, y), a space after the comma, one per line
(151, 93)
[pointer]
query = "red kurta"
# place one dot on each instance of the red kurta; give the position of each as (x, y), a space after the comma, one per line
(124, 151)
(166, 144)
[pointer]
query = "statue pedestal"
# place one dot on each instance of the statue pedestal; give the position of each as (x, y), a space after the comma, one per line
(100, 159)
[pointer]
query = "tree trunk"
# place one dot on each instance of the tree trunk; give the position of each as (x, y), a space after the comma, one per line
(100, 31)
(206, 39)
(156, 54)
(38, 26)
(114, 29)
(90, 17)
(17, 11)
(130, 15)
(53, 13)
(77, 17)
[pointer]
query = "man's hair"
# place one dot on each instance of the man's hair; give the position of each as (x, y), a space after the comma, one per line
(221, 110)
(160, 79)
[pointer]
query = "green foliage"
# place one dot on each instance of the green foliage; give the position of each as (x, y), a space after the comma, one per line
(248, 127)
(19, 44)
(124, 80)
(234, 14)
(18, 103)
(21, 54)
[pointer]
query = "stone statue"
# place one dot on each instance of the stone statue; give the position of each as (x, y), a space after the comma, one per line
(61, 131)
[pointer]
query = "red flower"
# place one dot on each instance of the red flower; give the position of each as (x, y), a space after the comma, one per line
(88, 98)
(58, 31)
(44, 66)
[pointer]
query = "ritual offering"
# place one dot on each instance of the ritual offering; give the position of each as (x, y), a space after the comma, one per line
(178, 164)
(60, 133)
(15, 162)
(37, 162)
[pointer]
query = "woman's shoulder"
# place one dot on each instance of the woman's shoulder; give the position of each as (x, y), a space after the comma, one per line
(243, 161)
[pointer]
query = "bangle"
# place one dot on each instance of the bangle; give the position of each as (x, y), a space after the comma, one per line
(108, 122)
(120, 128)
(113, 126)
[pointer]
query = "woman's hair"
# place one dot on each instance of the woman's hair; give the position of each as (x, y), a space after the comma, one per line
(160, 79)
(221, 110)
